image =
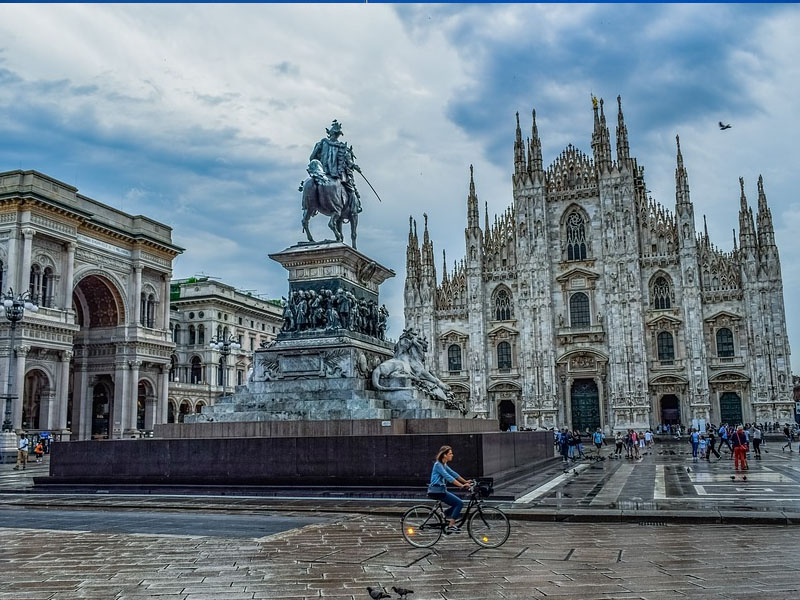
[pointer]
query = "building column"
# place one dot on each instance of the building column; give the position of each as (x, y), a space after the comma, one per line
(63, 396)
(79, 385)
(133, 394)
(19, 383)
(87, 408)
(69, 274)
(118, 418)
(150, 408)
(163, 395)
(137, 294)
(166, 302)
(27, 247)
(47, 407)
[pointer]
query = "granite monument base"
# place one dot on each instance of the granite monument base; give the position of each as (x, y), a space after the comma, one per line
(329, 461)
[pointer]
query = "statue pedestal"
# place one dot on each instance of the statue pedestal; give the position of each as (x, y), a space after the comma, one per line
(8, 447)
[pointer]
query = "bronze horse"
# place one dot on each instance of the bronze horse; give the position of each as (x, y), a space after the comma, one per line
(327, 196)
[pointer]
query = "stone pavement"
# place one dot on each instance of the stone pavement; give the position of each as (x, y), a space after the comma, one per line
(338, 559)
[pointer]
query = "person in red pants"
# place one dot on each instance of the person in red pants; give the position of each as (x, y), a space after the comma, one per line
(740, 448)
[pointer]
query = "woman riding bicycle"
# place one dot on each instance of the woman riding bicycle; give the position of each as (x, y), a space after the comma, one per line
(441, 475)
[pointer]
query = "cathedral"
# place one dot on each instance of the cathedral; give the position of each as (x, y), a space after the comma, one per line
(587, 304)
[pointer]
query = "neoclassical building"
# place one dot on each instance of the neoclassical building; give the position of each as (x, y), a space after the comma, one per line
(94, 361)
(203, 309)
(588, 304)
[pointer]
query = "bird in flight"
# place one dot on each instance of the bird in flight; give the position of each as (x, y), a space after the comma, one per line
(724, 127)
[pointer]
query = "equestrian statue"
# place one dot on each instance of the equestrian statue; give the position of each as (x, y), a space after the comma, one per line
(330, 188)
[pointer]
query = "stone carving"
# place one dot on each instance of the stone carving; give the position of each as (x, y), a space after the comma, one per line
(308, 310)
(408, 363)
(331, 188)
(336, 363)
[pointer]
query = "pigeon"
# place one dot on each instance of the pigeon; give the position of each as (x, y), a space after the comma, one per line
(733, 477)
(377, 594)
(724, 127)
(402, 592)
(744, 477)
(688, 469)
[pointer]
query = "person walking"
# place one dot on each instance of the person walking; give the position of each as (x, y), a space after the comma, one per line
(756, 435)
(22, 452)
(712, 442)
(441, 475)
(618, 441)
(648, 440)
(740, 448)
(723, 438)
(787, 432)
(597, 438)
(38, 451)
(694, 439)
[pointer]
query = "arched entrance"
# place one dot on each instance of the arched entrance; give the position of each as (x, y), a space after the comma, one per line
(101, 412)
(170, 412)
(670, 409)
(730, 408)
(585, 403)
(37, 388)
(183, 410)
(142, 392)
(506, 414)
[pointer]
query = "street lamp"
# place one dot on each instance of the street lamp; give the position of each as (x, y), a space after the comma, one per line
(15, 306)
(224, 345)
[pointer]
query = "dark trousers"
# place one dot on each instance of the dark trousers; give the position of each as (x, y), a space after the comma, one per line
(711, 448)
(757, 447)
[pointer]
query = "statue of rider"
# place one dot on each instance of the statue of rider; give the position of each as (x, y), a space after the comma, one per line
(338, 161)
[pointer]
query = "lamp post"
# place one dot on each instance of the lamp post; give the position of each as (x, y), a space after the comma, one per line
(224, 345)
(15, 306)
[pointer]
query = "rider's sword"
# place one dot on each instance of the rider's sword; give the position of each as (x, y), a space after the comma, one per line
(370, 186)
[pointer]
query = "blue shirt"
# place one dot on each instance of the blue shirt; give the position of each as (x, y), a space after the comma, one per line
(441, 475)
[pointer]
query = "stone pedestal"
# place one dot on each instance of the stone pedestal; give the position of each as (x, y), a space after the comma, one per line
(8, 447)
(319, 367)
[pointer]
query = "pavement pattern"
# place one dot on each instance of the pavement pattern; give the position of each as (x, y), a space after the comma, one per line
(342, 555)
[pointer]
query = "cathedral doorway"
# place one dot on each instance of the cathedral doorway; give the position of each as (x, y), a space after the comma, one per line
(670, 409)
(101, 412)
(37, 386)
(143, 392)
(585, 404)
(506, 414)
(730, 408)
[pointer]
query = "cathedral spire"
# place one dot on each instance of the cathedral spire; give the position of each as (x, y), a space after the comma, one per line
(766, 233)
(428, 266)
(681, 179)
(412, 254)
(444, 266)
(535, 148)
(623, 148)
(486, 218)
(519, 151)
(472, 203)
(705, 232)
(735, 248)
(747, 233)
(601, 146)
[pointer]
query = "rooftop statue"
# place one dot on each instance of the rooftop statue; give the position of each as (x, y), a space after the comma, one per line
(331, 188)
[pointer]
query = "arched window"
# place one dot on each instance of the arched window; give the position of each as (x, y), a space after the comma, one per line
(151, 311)
(201, 335)
(197, 370)
(173, 368)
(221, 372)
(662, 295)
(176, 334)
(724, 342)
(192, 336)
(666, 347)
(219, 332)
(2, 273)
(579, 310)
(199, 407)
(47, 287)
(503, 355)
(503, 309)
(454, 358)
(143, 310)
(36, 284)
(576, 237)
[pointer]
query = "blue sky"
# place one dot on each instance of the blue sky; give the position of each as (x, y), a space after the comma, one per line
(203, 116)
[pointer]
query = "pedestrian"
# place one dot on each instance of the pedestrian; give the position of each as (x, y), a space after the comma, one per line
(740, 448)
(702, 445)
(579, 444)
(724, 438)
(38, 451)
(712, 442)
(563, 441)
(694, 439)
(756, 433)
(648, 440)
(787, 432)
(598, 437)
(629, 444)
(618, 441)
(22, 452)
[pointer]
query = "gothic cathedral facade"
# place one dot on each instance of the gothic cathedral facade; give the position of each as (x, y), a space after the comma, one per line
(586, 304)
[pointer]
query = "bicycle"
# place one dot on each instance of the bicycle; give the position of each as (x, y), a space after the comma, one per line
(423, 525)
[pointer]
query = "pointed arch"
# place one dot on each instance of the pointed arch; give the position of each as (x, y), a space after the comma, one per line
(575, 230)
(662, 291)
(502, 301)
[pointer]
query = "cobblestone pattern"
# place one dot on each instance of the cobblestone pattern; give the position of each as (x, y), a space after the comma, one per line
(338, 560)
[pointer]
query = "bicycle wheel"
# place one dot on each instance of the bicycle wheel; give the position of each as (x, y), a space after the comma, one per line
(422, 526)
(489, 527)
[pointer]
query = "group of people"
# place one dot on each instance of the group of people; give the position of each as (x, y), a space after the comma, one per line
(41, 447)
(635, 443)
(324, 309)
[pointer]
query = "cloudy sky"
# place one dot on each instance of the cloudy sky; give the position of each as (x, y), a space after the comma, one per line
(203, 116)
